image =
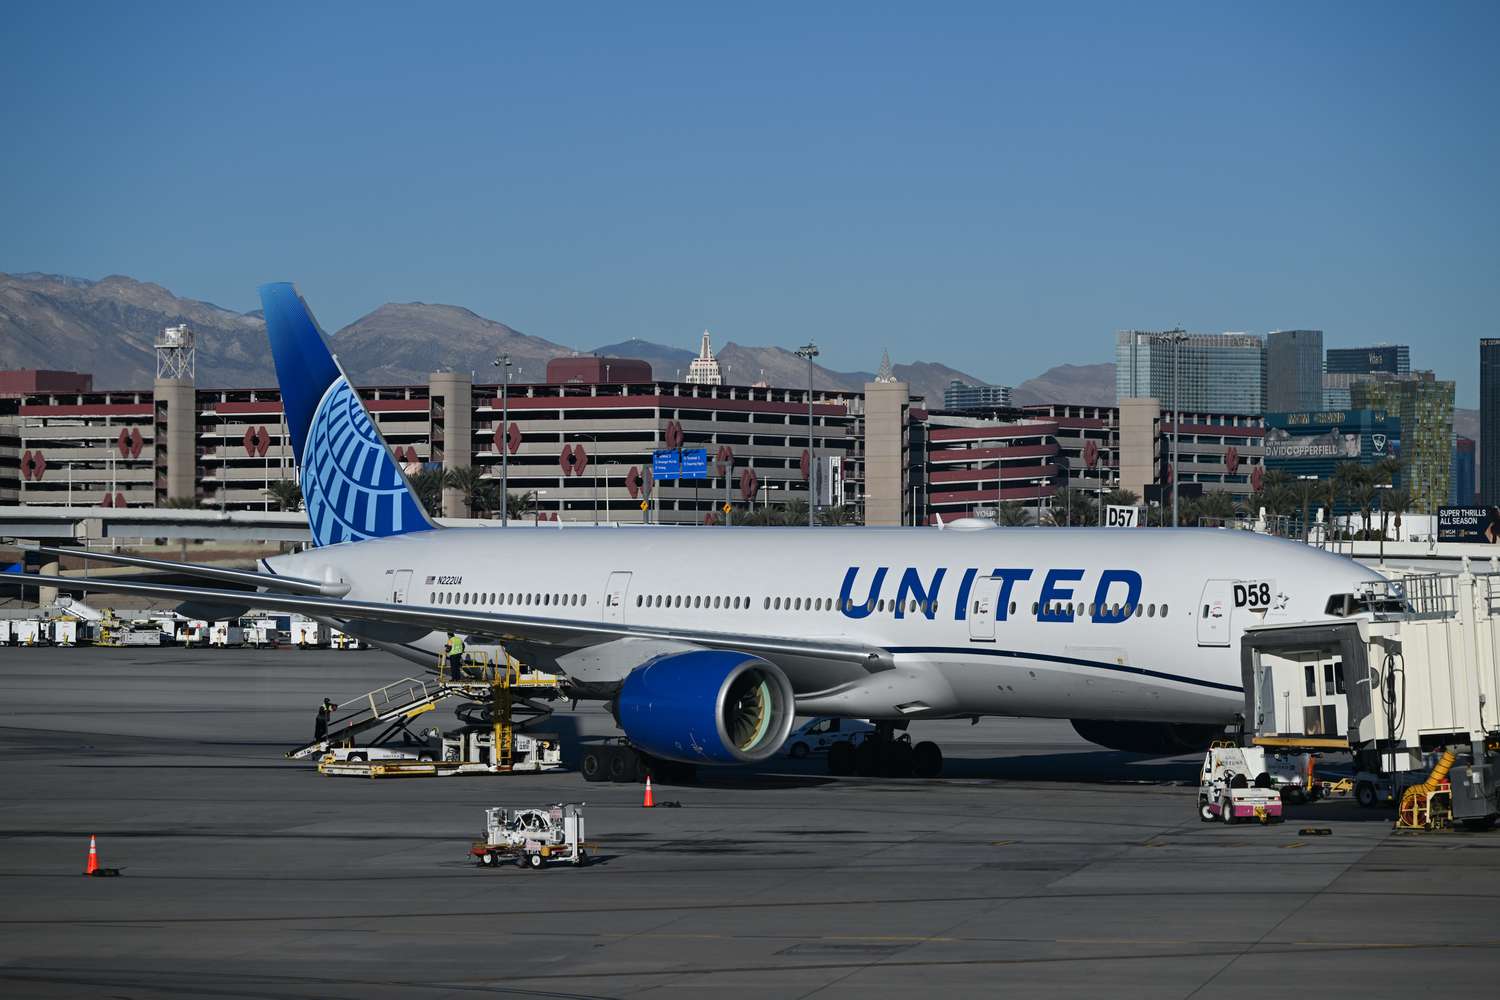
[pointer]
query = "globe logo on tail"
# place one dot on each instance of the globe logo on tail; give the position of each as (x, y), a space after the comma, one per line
(350, 482)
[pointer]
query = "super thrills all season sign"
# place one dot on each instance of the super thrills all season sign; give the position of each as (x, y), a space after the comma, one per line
(1469, 524)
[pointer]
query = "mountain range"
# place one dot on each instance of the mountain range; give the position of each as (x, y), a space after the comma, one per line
(107, 327)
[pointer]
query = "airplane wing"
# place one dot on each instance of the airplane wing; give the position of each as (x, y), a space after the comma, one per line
(250, 578)
(560, 632)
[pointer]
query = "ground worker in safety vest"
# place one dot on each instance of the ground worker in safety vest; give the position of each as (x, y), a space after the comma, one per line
(455, 654)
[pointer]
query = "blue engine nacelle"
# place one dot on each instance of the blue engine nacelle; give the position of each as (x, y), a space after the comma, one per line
(707, 706)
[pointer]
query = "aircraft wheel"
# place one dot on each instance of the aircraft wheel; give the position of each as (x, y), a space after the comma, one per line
(896, 759)
(867, 759)
(926, 760)
(594, 764)
(841, 759)
(622, 765)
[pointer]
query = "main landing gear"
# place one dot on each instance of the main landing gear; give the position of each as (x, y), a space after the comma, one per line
(622, 763)
(886, 754)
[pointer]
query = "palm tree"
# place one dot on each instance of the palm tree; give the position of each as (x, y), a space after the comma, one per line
(287, 493)
(1012, 514)
(518, 505)
(838, 515)
(428, 486)
(1075, 507)
(774, 515)
(1393, 500)
(1306, 490)
(1122, 498)
(470, 484)
(1333, 492)
(1357, 485)
(1216, 505)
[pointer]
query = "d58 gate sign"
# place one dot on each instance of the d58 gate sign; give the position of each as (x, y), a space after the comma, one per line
(1253, 594)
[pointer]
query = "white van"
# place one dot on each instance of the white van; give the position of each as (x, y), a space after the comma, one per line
(817, 735)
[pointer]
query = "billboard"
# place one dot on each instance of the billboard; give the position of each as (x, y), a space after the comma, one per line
(1334, 443)
(1469, 524)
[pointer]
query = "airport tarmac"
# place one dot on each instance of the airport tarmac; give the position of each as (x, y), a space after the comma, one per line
(1040, 865)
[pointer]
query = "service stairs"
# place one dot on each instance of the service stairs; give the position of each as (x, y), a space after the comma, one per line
(396, 704)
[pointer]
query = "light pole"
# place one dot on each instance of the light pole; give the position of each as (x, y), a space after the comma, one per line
(536, 505)
(596, 463)
(1382, 487)
(1178, 336)
(810, 351)
(503, 361)
(1307, 491)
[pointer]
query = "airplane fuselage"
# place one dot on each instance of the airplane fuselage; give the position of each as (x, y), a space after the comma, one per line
(1065, 623)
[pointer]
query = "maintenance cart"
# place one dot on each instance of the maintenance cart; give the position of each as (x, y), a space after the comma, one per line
(1235, 785)
(531, 838)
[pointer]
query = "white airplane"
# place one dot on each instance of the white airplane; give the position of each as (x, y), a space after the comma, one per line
(707, 642)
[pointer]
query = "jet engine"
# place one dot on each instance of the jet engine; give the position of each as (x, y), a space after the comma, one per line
(706, 706)
(1160, 738)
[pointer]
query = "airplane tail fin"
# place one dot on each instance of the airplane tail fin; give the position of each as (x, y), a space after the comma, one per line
(351, 485)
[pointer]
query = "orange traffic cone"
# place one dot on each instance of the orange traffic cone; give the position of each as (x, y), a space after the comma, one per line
(649, 803)
(93, 857)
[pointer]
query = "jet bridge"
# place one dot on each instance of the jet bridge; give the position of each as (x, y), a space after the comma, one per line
(1411, 669)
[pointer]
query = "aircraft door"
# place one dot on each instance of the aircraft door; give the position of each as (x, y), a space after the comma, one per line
(616, 590)
(983, 610)
(1214, 612)
(400, 585)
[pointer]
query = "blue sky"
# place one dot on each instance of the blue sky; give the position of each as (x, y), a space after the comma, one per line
(989, 185)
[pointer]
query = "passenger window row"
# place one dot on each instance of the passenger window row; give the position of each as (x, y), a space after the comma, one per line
(696, 601)
(518, 600)
(737, 603)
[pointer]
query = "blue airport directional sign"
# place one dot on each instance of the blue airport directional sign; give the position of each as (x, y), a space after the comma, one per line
(695, 463)
(665, 464)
